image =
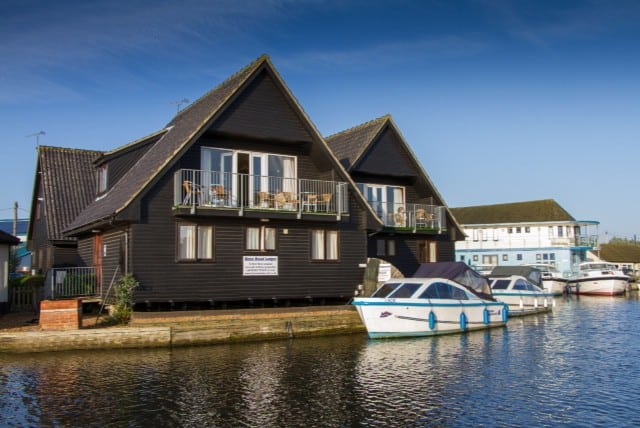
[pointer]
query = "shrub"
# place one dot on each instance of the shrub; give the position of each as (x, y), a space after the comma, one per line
(31, 281)
(123, 308)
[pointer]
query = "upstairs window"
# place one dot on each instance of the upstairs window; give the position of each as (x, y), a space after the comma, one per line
(102, 179)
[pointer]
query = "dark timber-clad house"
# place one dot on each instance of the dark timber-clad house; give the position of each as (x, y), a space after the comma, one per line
(237, 201)
(63, 187)
(417, 225)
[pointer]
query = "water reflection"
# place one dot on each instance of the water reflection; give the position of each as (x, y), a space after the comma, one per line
(574, 366)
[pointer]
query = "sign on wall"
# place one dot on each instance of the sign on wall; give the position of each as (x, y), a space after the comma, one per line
(259, 265)
(384, 272)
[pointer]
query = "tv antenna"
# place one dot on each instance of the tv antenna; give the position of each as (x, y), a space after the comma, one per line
(37, 135)
(179, 103)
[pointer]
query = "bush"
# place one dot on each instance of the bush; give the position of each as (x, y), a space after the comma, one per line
(123, 308)
(33, 281)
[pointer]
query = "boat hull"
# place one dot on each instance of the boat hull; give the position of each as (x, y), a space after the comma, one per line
(386, 318)
(525, 303)
(604, 286)
(554, 286)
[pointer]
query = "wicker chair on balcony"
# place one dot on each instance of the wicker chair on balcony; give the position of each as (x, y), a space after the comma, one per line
(309, 202)
(423, 218)
(400, 218)
(192, 193)
(325, 202)
(291, 203)
(218, 195)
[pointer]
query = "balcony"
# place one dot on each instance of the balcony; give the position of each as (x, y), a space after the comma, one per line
(72, 282)
(199, 191)
(411, 217)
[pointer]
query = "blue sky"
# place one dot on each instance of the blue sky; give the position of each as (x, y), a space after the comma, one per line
(502, 101)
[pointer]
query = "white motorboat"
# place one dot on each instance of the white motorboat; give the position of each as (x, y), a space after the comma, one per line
(553, 282)
(522, 296)
(598, 279)
(447, 297)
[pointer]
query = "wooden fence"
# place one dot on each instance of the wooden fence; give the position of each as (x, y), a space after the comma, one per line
(25, 298)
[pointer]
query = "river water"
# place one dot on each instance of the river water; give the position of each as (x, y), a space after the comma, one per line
(574, 367)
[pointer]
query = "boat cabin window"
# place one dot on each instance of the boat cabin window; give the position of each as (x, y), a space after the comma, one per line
(386, 289)
(500, 284)
(521, 284)
(441, 290)
(406, 290)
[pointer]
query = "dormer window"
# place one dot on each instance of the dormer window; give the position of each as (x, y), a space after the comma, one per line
(102, 179)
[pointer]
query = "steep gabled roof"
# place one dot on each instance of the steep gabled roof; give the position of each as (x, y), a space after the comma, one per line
(185, 128)
(620, 253)
(68, 186)
(8, 239)
(518, 212)
(351, 144)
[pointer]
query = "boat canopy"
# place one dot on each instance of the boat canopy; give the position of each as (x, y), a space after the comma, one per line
(459, 272)
(531, 273)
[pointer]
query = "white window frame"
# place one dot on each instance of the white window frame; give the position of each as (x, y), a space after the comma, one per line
(325, 245)
(260, 238)
(191, 242)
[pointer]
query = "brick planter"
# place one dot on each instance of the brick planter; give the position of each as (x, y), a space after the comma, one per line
(61, 314)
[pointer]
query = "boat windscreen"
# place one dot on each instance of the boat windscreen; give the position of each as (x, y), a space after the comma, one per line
(500, 284)
(386, 289)
(406, 290)
(459, 272)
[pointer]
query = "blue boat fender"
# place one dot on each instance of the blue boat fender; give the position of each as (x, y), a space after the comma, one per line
(463, 321)
(486, 316)
(505, 313)
(432, 320)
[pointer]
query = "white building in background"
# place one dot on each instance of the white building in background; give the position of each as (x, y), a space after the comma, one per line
(522, 233)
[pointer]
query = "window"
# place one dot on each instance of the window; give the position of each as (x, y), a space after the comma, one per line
(386, 289)
(441, 290)
(560, 230)
(510, 230)
(385, 200)
(260, 239)
(500, 284)
(324, 244)
(195, 242)
(386, 247)
(102, 179)
(519, 257)
(518, 230)
(405, 290)
(527, 229)
(505, 257)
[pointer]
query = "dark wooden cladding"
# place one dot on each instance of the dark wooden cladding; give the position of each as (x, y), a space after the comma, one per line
(119, 164)
(163, 278)
(262, 111)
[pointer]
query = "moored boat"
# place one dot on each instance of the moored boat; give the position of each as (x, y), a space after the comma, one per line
(522, 296)
(447, 297)
(553, 281)
(598, 279)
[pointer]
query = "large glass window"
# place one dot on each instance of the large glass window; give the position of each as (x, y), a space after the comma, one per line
(195, 242)
(406, 290)
(324, 244)
(267, 172)
(386, 201)
(260, 238)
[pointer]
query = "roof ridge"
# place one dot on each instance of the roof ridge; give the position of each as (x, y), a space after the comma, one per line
(254, 64)
(69, 149)
(512, 203)
(360, 126)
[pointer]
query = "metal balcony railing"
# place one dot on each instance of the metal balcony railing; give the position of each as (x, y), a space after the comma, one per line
(213, 189)
(74, 282)
(412, 216)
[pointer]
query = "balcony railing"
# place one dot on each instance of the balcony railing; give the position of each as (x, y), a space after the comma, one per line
(411, 216)
(212, 189)
(74, 282)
